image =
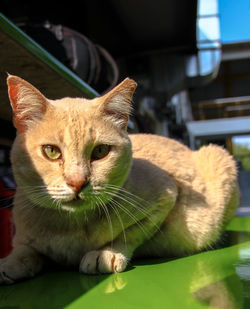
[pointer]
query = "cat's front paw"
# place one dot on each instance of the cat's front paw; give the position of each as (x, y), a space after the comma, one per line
(4, 279)
(103, 261)
(14, 269)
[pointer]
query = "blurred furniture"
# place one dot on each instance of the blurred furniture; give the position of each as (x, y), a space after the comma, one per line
(20, 55)
(216, 129)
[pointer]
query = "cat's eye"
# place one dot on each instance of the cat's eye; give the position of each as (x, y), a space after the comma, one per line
(52, 152)
(100, 152)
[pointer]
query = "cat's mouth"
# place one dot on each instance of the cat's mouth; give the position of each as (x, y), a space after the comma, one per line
(75, 201)
(77, 198)
(63, 195)
(72, 201)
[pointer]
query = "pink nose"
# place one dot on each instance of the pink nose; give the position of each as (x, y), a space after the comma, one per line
(77, 185)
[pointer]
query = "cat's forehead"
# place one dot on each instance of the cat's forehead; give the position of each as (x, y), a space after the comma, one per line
(71, 104)
(74, 121)
(72, 112)
(70, 116)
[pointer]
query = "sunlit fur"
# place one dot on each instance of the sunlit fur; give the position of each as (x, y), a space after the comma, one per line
(150, 196)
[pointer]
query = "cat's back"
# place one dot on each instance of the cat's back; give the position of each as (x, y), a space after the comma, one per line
(180, 161)
(144, 144)
(166, 153)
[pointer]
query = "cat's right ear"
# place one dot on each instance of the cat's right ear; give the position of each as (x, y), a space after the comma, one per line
(28, 104)
(116, 104)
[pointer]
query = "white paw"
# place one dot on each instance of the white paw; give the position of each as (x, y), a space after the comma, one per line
(103, 261)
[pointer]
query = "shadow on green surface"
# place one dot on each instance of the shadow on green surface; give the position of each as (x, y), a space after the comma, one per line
(228, 239)
(48, 290)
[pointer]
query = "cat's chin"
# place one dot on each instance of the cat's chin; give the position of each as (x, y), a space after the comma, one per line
(75, 205)
(69, 208)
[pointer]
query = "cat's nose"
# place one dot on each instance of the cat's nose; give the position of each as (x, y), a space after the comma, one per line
(77, 184)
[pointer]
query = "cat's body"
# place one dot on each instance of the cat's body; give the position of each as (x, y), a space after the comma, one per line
(95, 208)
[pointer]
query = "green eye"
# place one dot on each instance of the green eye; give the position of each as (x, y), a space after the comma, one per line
(100, 152)
(52, 152)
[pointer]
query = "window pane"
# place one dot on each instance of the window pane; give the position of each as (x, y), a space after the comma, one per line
(208, 28)
(207, 7)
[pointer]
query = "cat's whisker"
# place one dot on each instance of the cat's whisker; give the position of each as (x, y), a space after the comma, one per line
(42, 195)
(26, 205)
(6, 199)
(40, 198)
(36, 187)
(56, 203)
(93, 204)
(29, 207)
(132, 216)
(141, 210)
(121, 189)
(134, 199)
(129, 201)
(32, 190)
(134, 204)
(113, 206)
(10, 205)
(42, 188)
(105, 209)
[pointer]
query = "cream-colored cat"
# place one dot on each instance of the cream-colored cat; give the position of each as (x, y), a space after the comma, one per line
(89, 195)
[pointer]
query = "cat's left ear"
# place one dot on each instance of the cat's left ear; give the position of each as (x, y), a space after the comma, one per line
(116, 104)
(28, 104)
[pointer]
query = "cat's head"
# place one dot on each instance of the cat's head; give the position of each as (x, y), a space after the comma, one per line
(70, 153)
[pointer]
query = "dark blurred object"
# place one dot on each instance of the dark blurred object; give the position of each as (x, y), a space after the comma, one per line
(122, 26)
(153, 42)
(6, 232)
(7, 191)
(222, 108)
(91, 62)
(6, 224)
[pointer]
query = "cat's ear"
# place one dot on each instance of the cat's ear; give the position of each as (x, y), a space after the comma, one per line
(28, 104)
(116, 104)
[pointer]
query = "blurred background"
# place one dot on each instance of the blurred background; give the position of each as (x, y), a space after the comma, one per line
(191, 60)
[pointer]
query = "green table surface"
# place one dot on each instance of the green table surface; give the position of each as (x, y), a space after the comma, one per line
(218, 278)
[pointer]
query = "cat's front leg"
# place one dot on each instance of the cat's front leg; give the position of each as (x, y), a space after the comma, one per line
(115, 258)
(23, 262)
(103, 261)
